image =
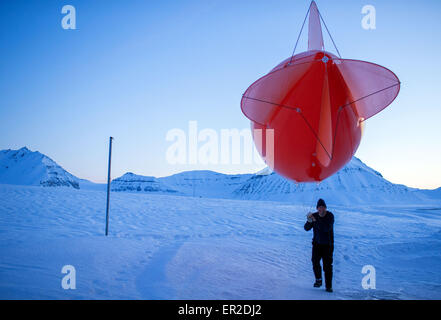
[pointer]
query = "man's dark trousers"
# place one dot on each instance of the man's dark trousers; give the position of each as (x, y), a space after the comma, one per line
(323, 252)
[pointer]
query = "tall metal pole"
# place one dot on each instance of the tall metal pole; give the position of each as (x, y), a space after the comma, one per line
(108, 185)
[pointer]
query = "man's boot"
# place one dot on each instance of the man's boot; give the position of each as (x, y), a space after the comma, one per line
(318, 283)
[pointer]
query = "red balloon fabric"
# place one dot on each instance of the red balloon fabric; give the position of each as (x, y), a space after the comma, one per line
(315, 104)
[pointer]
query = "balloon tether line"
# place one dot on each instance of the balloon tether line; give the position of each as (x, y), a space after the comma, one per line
(332, 39)
(298, 38)
(301, 30)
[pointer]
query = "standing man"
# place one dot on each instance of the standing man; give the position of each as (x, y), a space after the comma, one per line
(322, 223)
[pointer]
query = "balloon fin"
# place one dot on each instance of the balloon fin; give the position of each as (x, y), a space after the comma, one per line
(324, 134)
(315, 36)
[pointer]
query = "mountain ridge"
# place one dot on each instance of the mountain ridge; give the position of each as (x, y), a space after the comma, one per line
(355, 182)
(26, 167)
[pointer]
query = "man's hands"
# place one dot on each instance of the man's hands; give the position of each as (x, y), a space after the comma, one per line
(310, 217)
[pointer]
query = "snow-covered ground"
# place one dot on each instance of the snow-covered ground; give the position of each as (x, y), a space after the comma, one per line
(182, 247)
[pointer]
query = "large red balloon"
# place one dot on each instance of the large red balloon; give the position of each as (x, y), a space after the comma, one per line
(315, 103)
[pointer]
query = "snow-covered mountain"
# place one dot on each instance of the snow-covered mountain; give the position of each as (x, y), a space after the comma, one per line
(436, 193)
(199, 183)
(355, 183)
(205, 183)
(24, 167)
(136, 183)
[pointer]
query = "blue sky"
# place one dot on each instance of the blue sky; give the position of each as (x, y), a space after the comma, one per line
(136, 69)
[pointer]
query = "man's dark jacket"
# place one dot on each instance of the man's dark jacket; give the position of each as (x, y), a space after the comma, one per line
(323, 228)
